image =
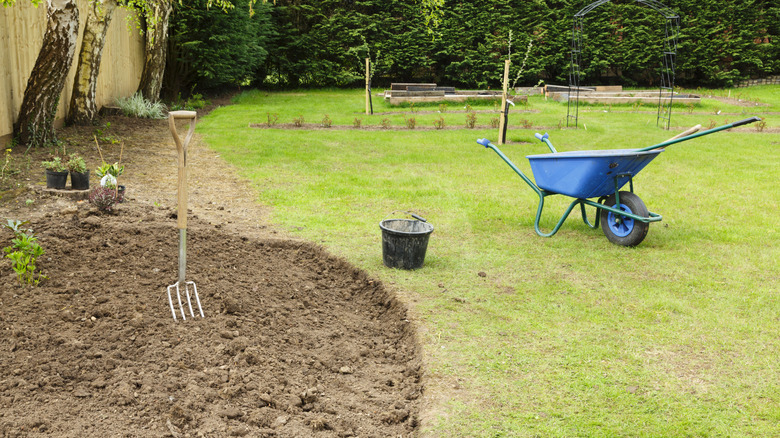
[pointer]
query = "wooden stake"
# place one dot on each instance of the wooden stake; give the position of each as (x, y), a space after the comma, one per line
(368, 89)
(502, 121)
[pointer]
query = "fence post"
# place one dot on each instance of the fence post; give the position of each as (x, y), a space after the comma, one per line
(502, 123)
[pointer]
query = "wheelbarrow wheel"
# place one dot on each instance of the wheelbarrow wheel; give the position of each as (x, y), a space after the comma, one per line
(622, 230)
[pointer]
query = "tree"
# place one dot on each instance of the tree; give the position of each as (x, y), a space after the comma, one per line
(210, 48)
(156, 13)
(83, 109)
(35, 125)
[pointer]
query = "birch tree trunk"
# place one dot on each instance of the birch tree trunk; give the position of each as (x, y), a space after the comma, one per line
(83, 108)
(35, 125)
(157, 15)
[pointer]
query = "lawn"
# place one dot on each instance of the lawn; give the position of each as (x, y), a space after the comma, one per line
(563, 336)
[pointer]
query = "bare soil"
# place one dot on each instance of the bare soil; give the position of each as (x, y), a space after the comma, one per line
(295, 342)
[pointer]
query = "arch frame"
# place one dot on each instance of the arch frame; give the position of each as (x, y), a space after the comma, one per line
(669, 57)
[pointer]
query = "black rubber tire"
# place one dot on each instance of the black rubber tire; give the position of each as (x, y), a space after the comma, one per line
(631, 234)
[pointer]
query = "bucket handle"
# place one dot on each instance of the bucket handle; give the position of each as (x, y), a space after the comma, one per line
(419, 218)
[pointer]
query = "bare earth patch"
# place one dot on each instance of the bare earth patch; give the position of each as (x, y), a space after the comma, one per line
(295, 342)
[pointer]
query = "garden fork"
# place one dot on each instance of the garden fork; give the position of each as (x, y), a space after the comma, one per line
(182, 216)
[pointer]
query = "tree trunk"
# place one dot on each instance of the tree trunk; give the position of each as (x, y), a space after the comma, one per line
(83, 109)
(35, 125)
(157, 14)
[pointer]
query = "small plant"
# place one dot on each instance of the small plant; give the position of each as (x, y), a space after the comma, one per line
(55, 165)
(411, 122)
(494, 122)
(690, 106)
(6, 170)
(271, 119)
(760, 126)
(298, 121)
(471, 120)
(526, 124)
(109, 173)
(103, 135)
(412, 108)
(103, 198)
(24, 253)
(439, 123)
(137, 106)
(196, 101)
(357, 123)
(468, 108)
(711, 125)
(76, 164)
(442, 107)
(385, 123)
(326, 122)
(29, 202)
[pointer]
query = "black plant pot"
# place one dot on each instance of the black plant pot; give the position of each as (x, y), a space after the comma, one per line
(79, 181)
(120, 194)
(56, 180)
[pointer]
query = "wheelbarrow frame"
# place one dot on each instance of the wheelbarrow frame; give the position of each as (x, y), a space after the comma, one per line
(599, 203)
(654, 217)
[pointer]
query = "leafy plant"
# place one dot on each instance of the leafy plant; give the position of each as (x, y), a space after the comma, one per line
(411, 122)
(298, 121)
(103, 135)
(760, 126)
(439, 123)
(6, 169)
(494, 122)
(385, 123)
(55, 165)
(137, 106)
(326, 122)
(104, 198)
(357, 123)
(271, 119)
(23, 253)
(76, 164)
(109, 173)
(442, 107)
(471, 120)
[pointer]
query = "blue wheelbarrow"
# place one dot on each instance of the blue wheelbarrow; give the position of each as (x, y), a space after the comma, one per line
(583, 175)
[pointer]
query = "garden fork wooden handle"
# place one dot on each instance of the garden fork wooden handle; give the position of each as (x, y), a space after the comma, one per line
(181, 148)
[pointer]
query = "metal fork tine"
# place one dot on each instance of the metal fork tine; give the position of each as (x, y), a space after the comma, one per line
(197, 298)
(189, 302)
(170, 301)
(181, 307)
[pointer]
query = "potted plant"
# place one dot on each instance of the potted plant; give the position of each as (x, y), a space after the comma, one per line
(108, 174)
(56, 173)
(79, 174)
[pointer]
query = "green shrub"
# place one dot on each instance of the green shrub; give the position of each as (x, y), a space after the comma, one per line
(137, 106)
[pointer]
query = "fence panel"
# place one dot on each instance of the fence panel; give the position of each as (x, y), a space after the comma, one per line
(21, 33)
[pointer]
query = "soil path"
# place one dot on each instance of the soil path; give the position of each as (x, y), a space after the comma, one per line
(295, 342)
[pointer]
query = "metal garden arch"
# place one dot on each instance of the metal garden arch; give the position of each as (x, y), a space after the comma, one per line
(666, 91)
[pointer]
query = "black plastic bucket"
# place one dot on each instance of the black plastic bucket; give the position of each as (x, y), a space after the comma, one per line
(404, 242)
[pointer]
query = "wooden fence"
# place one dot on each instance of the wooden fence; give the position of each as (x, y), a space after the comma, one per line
(21, 33)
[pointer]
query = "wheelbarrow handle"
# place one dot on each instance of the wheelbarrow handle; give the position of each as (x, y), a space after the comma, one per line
(746, 121)
(546, 140)
(699, 134)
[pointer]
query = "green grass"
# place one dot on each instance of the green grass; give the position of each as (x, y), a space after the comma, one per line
(563, 336)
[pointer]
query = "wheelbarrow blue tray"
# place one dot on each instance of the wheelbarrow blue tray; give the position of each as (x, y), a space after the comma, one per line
(588, 174)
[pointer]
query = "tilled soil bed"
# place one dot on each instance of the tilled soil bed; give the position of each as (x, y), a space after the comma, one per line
(295, 342)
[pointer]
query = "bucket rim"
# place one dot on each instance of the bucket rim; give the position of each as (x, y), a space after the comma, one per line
(389, 230)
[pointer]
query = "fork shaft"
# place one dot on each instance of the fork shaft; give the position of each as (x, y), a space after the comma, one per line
(182, 254)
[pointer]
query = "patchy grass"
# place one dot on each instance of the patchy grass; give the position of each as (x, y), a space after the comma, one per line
(564, 336)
